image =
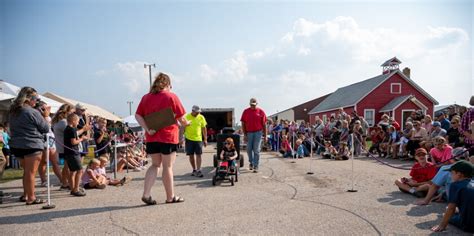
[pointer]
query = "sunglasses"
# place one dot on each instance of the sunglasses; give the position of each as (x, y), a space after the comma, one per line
(35, 98)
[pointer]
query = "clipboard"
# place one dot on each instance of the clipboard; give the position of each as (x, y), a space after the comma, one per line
(160, 119)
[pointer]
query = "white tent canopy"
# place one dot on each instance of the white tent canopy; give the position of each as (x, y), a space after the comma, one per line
(7, 90)
(131, 121)
(90, 109)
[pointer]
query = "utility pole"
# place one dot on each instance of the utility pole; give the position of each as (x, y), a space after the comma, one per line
(130, 106)
(149, 69)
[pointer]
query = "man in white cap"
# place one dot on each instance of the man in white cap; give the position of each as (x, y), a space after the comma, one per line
(466, 129)
(253, 126)
(82, 127)
(195, 135)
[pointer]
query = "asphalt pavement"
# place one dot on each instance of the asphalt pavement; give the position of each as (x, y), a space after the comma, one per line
(282, 199)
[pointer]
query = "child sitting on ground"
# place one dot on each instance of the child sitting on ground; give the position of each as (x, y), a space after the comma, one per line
(329, 151)
(114, 182)
(461, 195)
(91, 178)
(229, 154)
(342, 152)
(421, 173)
(300, 150)
(285, 149)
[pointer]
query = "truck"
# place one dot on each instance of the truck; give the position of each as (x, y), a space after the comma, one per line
(218, 118)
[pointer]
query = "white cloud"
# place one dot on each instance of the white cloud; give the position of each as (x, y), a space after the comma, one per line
(315, 58)
(236, 67)
(304, 51)
(207, 73)
(366, 45)
(133, 75)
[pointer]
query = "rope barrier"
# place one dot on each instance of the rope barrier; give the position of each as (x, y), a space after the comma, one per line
(83, 153)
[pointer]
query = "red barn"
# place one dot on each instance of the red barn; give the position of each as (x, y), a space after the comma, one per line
(392, 93)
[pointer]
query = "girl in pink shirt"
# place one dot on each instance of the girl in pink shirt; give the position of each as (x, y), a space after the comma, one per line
(441, 152)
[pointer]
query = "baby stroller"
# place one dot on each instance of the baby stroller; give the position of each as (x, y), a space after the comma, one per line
(223, 170)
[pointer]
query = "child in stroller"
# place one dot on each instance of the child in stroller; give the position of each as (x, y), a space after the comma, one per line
(227, 167)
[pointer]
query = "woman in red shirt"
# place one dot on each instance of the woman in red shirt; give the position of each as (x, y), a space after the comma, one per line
(161, 144)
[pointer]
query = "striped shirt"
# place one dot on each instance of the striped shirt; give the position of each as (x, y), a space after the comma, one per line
(466, 120)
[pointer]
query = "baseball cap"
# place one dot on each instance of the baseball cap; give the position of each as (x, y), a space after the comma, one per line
(253, 101)
(420, 151)
(436, 124)
(80, 107)
(196, 108)
(463, 167)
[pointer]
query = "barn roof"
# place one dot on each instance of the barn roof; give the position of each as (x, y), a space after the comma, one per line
(395, 103)
(352, 94)
(349, 95)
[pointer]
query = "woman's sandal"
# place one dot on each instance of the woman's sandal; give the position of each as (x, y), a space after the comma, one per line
(36, 201)
(148, 200)
(176, 199)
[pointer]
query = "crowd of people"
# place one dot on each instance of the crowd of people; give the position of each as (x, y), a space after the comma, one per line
(441, 148)
(436, 145)
(34, 133)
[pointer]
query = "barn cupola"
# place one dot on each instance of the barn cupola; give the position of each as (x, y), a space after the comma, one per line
(390, 65)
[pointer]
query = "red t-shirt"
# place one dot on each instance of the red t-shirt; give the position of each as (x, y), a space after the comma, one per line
(254, 119)
(396, 125)
(155, 102)
(423, 174)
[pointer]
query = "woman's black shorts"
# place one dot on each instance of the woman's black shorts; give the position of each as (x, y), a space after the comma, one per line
(162, 148)
(22, 153)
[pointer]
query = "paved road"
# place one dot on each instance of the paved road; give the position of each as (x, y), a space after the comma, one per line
(282, 199)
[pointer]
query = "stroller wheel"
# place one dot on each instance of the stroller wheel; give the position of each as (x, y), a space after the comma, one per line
(241, 159)
(232, 181)
(214, 180)
(237, 175)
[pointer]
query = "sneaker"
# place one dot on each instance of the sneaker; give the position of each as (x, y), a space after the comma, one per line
(250, 167)
(199, 174)
(78, 194)
(194, 173)
(63, 188)
(125, 180)
(255, 169)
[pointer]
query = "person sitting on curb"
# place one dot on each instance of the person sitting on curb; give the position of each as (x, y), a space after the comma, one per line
(438, 186)
(461, 195)
(421, 173)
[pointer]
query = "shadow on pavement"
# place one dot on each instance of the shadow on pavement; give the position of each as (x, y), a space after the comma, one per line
(397, 198)
(51, 215)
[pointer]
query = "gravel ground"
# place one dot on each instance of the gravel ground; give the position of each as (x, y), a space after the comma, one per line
(282, 199)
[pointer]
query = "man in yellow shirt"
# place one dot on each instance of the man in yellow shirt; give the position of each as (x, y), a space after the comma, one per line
(195, 135)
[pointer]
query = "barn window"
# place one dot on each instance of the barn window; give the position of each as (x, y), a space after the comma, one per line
(369, 116)
(395, 88)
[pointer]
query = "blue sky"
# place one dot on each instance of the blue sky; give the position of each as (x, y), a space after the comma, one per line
(221, 54)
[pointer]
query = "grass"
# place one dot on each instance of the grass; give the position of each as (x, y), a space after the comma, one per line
(11, 174)
(14, 174)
